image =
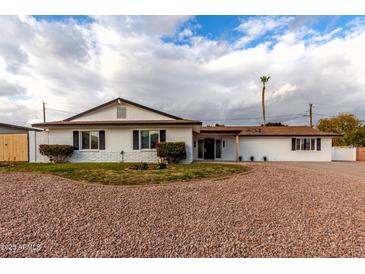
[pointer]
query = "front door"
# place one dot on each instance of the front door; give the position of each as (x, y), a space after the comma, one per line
(209, 149)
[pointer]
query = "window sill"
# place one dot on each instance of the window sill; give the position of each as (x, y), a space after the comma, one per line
(307, 151)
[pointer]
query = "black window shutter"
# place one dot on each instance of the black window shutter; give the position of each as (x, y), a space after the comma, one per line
(135, 139)
(162, 135)
(76, 140)
(318, 144)
(293, 143)
(101, 139)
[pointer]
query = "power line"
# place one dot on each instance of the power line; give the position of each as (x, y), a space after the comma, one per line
(325, 115)
(60, 110)
(254, 118)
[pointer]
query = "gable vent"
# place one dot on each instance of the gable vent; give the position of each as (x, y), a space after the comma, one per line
(121, 112)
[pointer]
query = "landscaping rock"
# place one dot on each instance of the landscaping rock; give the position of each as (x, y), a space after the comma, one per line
(274, 211)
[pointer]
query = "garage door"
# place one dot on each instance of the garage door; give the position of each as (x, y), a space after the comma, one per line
(361, 154)
(13, 147)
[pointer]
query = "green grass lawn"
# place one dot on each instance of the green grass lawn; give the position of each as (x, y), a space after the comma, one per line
(120, 174)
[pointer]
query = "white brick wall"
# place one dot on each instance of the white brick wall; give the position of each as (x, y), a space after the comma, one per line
(110, 156)
(116, 140)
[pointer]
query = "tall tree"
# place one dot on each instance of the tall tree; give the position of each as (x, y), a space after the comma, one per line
(357, 138)
(264, 80)
(343, 123)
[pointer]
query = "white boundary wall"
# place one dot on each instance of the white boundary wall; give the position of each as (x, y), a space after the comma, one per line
(343, 153)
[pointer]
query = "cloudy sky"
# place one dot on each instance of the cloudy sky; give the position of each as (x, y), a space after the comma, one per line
(202, 67)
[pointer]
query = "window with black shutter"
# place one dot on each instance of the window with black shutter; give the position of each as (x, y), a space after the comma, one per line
(76, 140)
(135, 139)
(318, 144)
(162, 135)
(101, 139)
(293, 140)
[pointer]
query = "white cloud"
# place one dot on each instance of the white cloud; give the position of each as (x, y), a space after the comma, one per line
(10, 89)
(73, 67)
(258, 26)
(185, 33)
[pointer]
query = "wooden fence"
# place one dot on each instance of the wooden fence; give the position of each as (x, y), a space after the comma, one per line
(360, 155)
(13, 147)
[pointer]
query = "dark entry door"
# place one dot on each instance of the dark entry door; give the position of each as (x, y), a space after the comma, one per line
(208, 148)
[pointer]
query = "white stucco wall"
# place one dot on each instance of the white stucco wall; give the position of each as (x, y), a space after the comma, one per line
(110, 113)
(274, 148)
(279, 149)
(32, 146)
(343, 153)
(37, 138)
(116, 140)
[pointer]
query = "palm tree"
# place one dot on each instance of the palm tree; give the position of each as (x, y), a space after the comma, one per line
(264, 80)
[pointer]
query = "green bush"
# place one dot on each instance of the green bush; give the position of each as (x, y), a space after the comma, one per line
(56, 153)
(172, 152)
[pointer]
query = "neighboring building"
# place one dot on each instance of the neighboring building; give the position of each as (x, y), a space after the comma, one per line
(15, 142)
(124, 131)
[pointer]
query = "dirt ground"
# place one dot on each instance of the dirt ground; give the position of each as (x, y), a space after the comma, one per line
(274, 211)
(342, 168)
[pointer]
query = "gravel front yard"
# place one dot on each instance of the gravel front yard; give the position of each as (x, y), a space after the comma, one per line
(275, 211)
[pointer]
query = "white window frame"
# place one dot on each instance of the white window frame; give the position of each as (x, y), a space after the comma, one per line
(80, 140)
(149, 138)
(301, 143)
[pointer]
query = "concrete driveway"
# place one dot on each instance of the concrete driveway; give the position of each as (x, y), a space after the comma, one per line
(342, 168)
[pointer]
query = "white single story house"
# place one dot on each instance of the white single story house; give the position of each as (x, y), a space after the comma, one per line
(124, 131)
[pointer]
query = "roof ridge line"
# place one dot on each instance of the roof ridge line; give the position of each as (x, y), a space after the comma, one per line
(125, 101)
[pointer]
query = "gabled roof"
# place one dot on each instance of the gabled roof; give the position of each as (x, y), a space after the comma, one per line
(120, 123)
(19, 127)
(268, 131)
(123, 101)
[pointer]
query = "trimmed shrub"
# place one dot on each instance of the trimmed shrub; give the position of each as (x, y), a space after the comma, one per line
(56, 153)
(172, 152)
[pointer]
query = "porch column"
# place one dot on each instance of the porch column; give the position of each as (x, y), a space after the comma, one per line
(237, 143)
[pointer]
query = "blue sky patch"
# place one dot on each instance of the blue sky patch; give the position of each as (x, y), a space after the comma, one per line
(225, 28)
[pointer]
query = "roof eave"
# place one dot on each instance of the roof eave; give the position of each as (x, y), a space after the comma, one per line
(290, 135)
(48, 125)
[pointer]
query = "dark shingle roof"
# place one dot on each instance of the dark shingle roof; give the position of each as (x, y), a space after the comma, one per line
(19, 127)
(269, 131)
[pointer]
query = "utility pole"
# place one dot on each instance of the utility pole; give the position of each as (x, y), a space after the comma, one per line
(310, 114)
(44, 112)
